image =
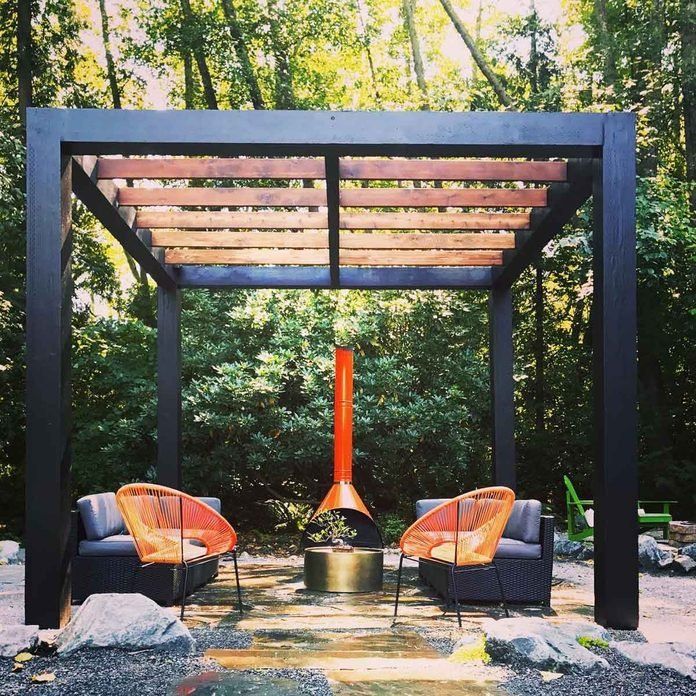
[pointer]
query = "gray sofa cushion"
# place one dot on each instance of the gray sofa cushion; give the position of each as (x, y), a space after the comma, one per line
(100, 515)
(122, 545)
(524, 522)
(514, 548)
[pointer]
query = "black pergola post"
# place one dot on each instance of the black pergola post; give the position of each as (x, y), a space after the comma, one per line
(48, 325)
(614, 313)
(502, 386)
(169, 387)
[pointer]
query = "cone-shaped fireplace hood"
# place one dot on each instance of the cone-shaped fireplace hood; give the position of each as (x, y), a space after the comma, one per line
(342, 495)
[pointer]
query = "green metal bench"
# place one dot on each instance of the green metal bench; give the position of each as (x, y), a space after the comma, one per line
(579, 529)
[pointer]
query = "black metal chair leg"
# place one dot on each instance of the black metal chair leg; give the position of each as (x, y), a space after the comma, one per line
(456, 599)
(236, 575)
(398, 586)
(500, 587)
(183, 593)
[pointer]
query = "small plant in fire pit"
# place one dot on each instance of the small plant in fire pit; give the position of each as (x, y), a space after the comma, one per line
(333, 529)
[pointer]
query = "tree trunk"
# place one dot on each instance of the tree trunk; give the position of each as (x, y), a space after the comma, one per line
(189, 86)
(607, 43)
(110, 66)
(365, 40)
(284, 93)
(24, 59)
(243, 55)
(477, 55)
(687, 30)
(199, 55)
(409, 19)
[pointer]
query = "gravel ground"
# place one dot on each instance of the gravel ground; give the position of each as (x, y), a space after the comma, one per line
(622, 678)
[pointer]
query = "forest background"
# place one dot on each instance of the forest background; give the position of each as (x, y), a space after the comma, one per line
(258, 364)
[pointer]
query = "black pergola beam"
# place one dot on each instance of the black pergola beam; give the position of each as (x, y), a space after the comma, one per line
(564, 201)
(319, 277)
(502, 387)
(499, 134)
(333, 210)
(615, 377)
(169, 387)
(48, 326)
(120, 224)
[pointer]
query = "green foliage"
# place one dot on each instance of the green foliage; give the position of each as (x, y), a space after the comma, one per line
(332, 525)
(589, 642)
(472, 652)
(392, 525)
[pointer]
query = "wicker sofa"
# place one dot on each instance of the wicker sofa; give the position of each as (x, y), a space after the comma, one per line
(104, 558)
(524, 559)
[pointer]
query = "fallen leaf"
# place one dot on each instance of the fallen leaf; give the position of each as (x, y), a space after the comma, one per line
(550, 676)
(44, 677)
(23, 657)
(17, 667)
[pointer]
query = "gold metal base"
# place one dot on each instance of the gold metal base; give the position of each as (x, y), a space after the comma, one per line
(327, 570)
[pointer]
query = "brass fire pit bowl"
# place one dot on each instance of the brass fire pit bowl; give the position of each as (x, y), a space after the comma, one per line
(328, 570)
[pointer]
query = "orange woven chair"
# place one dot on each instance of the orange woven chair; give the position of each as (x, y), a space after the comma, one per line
(461, 533)
(174, 528)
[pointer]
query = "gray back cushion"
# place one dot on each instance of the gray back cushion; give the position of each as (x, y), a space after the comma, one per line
(212, 502)
(423, 506)
(524, 522)
(100, 515)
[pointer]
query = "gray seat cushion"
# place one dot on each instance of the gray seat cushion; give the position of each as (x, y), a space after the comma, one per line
(514, 548)
(100, 515)
(525, 521)
(122, 545)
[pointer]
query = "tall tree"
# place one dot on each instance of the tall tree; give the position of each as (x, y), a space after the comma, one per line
(242, 52)
(189, 83)
(687, 31)
(24, 57)
(284, 92)
(408, 7)
(606, 41)
(478, 56)
(110, 65)
(199, 55)
(366, 43)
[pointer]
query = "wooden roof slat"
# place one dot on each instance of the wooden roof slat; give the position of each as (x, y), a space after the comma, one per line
(230, 220)
(222, 196)
(410, 257)
(320, 257)
(452, 170)
(252, 257)
(211, 168)
(319, 240)
(435, 221)
(434, 197)
(349, 221)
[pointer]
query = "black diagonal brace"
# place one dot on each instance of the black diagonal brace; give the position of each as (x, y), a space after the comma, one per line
(333, 215)
(118, 221)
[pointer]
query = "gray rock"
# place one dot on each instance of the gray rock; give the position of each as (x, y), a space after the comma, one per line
(652, 556)
(17, 638)
(10, 552)
(562, 546)
(684, 564)
(680, 657)
(541, 644)
(130, 621)
(689, 551)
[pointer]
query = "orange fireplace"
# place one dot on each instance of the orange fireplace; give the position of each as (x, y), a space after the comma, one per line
(342, 495)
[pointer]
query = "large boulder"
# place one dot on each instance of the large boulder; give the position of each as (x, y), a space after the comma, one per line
(684, 564)
(10, 552)
(17, 638)
(562, 546)
(130, 621)
(538, 643)
(651, 556)
(689, 550)
(680, 657)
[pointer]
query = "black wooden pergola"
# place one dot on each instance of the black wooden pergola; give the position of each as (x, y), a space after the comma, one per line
(325, 165)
